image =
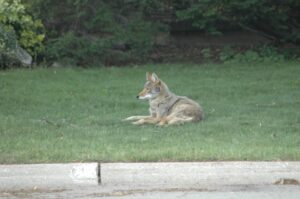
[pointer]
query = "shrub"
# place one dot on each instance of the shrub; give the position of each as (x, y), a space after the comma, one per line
(258, 54)
(276, 20)
(94, 32)
(8, 47)
(29, 31)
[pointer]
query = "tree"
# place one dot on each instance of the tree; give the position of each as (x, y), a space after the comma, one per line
(277, 20)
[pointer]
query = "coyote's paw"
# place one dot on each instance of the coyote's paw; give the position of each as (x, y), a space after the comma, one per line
(138, 117)
(161, 124)
(129, 118)
(139, 122)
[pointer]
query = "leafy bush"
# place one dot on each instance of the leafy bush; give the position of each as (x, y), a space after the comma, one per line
(7, 45)
(89, 32)
(14, 20)
(206, 53)
(276, 20)
(11, 53)
(259, 54)
(125, 46)
(93, 32)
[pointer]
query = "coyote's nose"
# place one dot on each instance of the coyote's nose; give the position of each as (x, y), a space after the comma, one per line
(137, 97)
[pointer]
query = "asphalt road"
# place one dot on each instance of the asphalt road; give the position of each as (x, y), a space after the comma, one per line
(212, 192)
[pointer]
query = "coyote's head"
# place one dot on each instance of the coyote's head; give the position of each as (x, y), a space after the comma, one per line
(152, 87)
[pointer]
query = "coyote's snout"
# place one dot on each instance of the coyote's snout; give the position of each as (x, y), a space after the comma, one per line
(166, 108)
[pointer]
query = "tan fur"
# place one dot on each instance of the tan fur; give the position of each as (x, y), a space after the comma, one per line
(166, 108)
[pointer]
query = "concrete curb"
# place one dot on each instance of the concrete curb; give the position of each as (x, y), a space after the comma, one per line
(173, 174)
(47, 175)
(200, 173)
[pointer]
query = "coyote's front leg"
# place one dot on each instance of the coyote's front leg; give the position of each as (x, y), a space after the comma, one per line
(149, 120)
(138, 117)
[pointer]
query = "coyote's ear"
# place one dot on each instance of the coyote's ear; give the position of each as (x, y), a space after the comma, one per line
(154, 77)
(148, 76)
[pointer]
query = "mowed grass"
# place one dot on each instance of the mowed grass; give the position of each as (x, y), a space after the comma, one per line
(252, 112)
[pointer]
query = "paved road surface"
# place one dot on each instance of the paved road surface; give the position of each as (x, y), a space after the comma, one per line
(207, 180)
(222, 192)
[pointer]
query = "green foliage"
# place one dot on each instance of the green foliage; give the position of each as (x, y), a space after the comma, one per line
(126, 45)
(11, 54)
(95, 32)
(260, 55)
(227, 53)
(15, 20)
(206, 52)
(277, 20)
(89, 32)
(8, 40)
(8, 43)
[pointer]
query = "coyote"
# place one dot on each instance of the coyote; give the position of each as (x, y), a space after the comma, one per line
(166, 108)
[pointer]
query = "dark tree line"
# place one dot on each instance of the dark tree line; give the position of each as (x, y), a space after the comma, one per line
(86, 32)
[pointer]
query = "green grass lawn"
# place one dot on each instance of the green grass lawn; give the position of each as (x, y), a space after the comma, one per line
(252, 112)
